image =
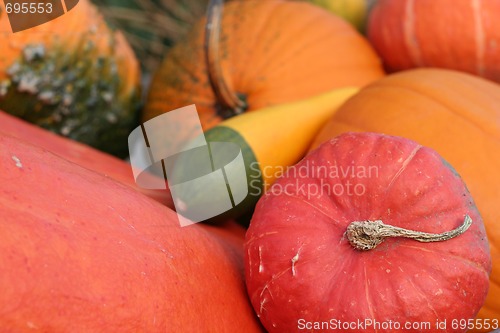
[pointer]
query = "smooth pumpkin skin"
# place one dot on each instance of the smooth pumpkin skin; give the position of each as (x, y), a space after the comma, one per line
(84, 79)
(272, 52)
(80, 252)
(454, 113)
(462, 35)
(80, 154)
(299, 264)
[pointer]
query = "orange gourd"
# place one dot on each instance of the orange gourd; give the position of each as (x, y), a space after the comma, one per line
(72, 75)
(461, 35)
(268, 53)
(80, 252)
(456, 114)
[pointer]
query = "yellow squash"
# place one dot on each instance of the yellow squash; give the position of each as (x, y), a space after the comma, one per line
(273, 138)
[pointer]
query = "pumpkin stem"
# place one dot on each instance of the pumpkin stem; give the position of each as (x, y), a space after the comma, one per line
(230, 103)
(366, 235)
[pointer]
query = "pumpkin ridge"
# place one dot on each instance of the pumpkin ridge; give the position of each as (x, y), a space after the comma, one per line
(394, 178)
(261, 68)
(292, 52)
(367, 293)
(257, 32)
(410, 38)
(442, 272)
(455, 257)
(300, 199)
(419, 290)
(335, 283)
(451, 110)
(479, 36)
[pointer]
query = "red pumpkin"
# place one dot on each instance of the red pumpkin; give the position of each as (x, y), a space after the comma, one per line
(301, 269)
(80, 252)
(461, 35)
(78, 153)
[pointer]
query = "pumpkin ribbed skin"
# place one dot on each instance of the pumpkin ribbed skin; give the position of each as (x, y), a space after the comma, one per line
(72, 75)
(454, 113)
(301, 268)
(80, 252)
(271, 52)
(462, 35)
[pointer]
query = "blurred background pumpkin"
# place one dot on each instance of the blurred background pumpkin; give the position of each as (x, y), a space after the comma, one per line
(461, 35)
(73, 76)
(267, 53)
(152, 27)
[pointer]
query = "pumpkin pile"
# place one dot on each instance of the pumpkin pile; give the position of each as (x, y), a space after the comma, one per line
(357, 191)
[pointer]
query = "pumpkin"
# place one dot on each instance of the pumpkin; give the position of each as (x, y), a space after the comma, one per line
(80, 252)
(73, 76)
(462, 35)
(268, 53)
(323, 253)
(454, 113)
(78, 153)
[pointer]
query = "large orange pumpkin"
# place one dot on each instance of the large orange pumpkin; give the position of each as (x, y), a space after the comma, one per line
(72, 75)
(461, 35)
(268, 52)
(80, 252)
(456, 114)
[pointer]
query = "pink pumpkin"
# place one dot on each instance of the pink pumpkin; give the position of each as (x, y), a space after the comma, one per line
(304, 274)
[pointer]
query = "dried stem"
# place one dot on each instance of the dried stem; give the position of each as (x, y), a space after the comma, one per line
(227, 99)
(366, 235)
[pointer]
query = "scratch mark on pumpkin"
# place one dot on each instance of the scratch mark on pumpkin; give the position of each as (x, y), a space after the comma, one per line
(167, 253)
(17, 161)
(367, 295)
(251, 240)
(261, 265)
(249, 262)
(261, 308)
(120, 216)
(405, 164)
(294, 260)
(31, 325)
(264, 299)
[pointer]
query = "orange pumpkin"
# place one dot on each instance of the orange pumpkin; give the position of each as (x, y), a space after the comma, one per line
(268, 52)
(456, 114)
(461, 35)
(80, 252)
(72, 75)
